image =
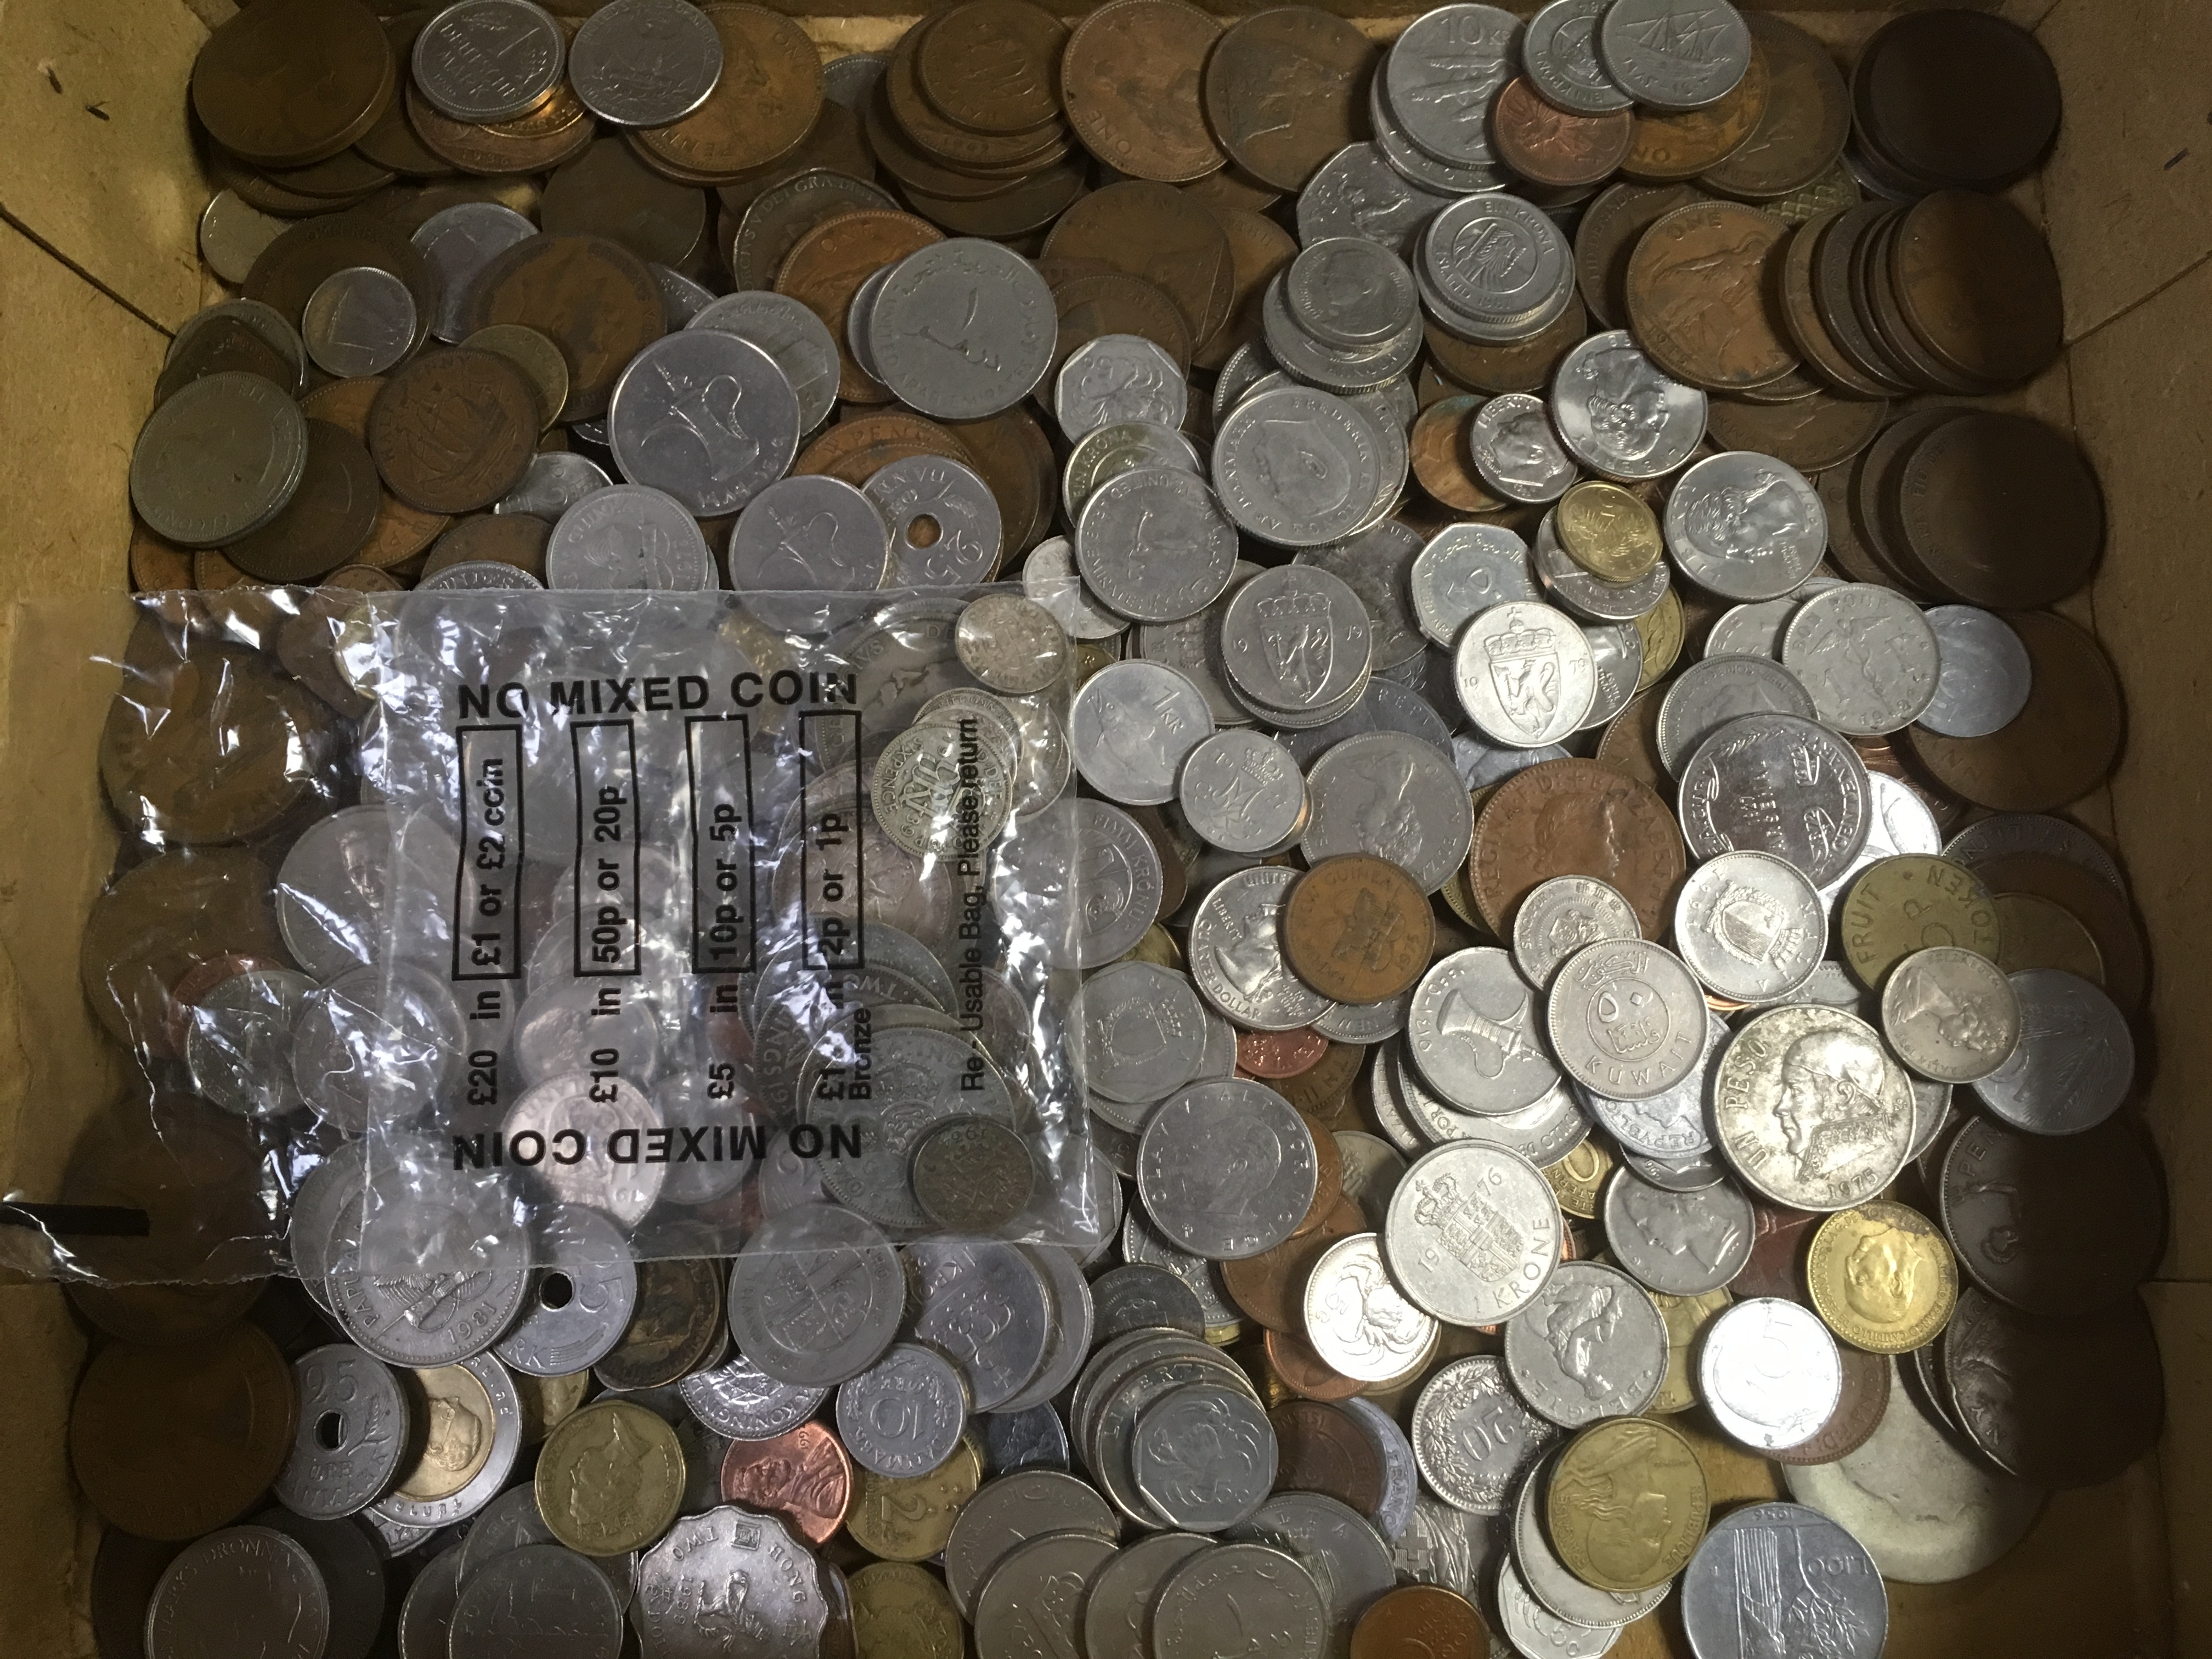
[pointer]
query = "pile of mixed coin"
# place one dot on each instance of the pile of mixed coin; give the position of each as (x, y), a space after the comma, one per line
(1606, 1087)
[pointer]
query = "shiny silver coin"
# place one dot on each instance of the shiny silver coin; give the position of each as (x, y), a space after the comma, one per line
(1677, 1243)
(1358, 1321)
(1036, 1593)
(1754, 629)
(1139, 1031)
(1524, 674)
(1474, 1233)
(1559, 916)
(1675, 54)
(805, 536)
(630, 536)
(1808, 1572)
(1984, 674)
(1204, 1457)
(359, 321)
(1952, 1014)
(1419, 169)
(1133, 725)
(1007, 1513)
(1211, 1601)
(1088, 843)
(1236, 953)
(1298, 467)
(353, 1428)
(1626, 1020)
(1442, 76)
(685, 1611)
(1115, 380)
(1401, 1476)
(1471, 1032)
(1692, 1173)
(950, 1278)
(740, 1402)
(795, 340)
(1121, 446)
(1670, 1124)
(1298, 640)
(1074, 1323)
(2075, 1060)
(1349, 292)
(1534, 1631)
(238, 1041)
(1339, 1548)
(1314, 362)
(251, 1588)
(1516, 452)
(480, 576)
(940, 787)
(1616, 665)
(584, 1289)
(1049, 577)
(1154, 544)
(776, 1283)
(1746, 525)
(1867, 657)
(1779, 784)
(962, 328)
(602, 1109)
(903, 1415)
(1708, 694)
(1395, 797)
(1811, 1109)
(1559, 54)
(645, 63)
(1011, 644)
(1243, 792)
(1616, 413)
(376, 1046)
(706, 417)
(1591, 1345)
(1464, 569)
(1137, 1297)
(1377, 565)
(1358, 192)
(1226, 1169)
(481, 61)
(1474, 1439)
(1750, 926)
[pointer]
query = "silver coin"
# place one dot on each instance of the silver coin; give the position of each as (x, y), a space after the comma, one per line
(1377, 565)
(1677, 1243)
(1614, 411)
(795, 340)
(1401, 1480)
(376, 1046)
(1416, 165)
(1248, 369)
(687, 1607)
(1474, 1233)
(1746, 525)
(426, 1614)
(1067, 1341)
(1984, 675)
(1121, 446)
(1952, 1015)
(426, 1285)
(918, 1078)
(1750, 926)
(1117, 1614)
(1866, 655)
(1136, 1297)
(2074, 1061)
(807, 535)
(1358, 1321)
(1343, 371)
(244, 1589)
(1626, 1020)
(552, 1600)
(645, 63)
(1561, 915)
(1347, 1559)
(1030, 1439)
(681, 299)
(1591, 1345)
(481, 61)
(1464, 569)
(1011, 644)
(1559, 54)
(1472, 1033)
(219, 459)
(1517, 452)
(1592, 599)
(1443, 73)
(559, 1027)
(238, 1041)
(1543, 1133)
(1086, 847)
(1492, 259)
(1675, 54)
(1115, 380)
(1769, 1372)
(1616, 665)
(554, 482)
(601, 1109)
(1779, 784)
(987, 1307)
(1007, 1513)
(585, 1289)
(513, 1521)
(1384, 706)
(941, 787)
(1692, 1173)
(1395, 797)
(630, 535)
(265, 321)
(1450, 1548)
(1357, 192)
(1811, 1109)
(1927, 1512)
(1524, 674)
(1133, 725)
(1236, 953)
(1670, 1124)
(1226, 1169)
(903, 1415)
(1708, 694)
(232, 235)
(742, 1402)
(1036, 1593)
(1755, 629)
(1474, 1439)
(706, 417)
(2004, 833)
(1298, 467)
(485, 1485)
(1242, 791)
(1139, 1031)
(1552, 1585)
(480, 576)
(1143, 1246)
(815, 1295)
(1213, 1603)
(1349, 292)
(1154, 544)
(1535, 1632)
(962, 328)
(360, 321)
(1049, 577)
(1205, 1457)
(461, 240)
(353, 1427)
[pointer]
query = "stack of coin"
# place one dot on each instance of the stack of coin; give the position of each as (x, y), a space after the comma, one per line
(1409, 1046)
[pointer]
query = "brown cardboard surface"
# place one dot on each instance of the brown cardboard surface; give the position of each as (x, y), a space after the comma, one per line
(2183, 1314)
(46, 1543)
(100, 162)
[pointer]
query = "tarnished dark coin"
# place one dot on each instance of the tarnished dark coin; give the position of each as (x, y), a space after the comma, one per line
(1807, 120)
(762, 108)
(549, 135)
(2058, 748)
(1114, 303)
(226, 344)
(994, 65)
(1605, 239)
(972, 1174)
(826, 269)
(1996, 117)
(1130, 79)
(1700, 301)
(296, 81)
(328, 518)
(291, 268)
(1810, 434)
(604, 192)
(1513, 365)
(1324, 1450)
(592, 298)
(677, 1328)
(1153, 232)
(512, 539)
(1286, 89)
(1977, 287)
(1967, 514)
(454, 432)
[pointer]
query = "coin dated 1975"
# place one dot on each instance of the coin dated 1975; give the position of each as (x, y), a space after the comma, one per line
(1810, 1108)
(1474, 1233)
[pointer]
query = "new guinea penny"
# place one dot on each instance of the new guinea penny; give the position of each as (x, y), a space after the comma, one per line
(1575, 818)
(454, 432)
(592, 297)
(1358, 929)
(1130, 79)
(1699, 299)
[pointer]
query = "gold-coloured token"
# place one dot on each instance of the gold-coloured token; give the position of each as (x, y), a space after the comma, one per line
(1608, 531)
(901, 1611)
(1883, 1278)
(1911, 902)
(611, 1478)
(1578, 1178)
(458, 1426)
(910, 1520)
(1685, 1316)
(549, 1401)
(1660, 630)
(2032, 931)
(1627, 1504)
(1158, 947)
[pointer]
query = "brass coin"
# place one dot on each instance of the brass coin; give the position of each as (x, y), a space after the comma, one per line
(511, 538)
(1114, 303)
(611, 1478)
(1607, 531)
(2037, 933)
(910, 1520)
(1606, 238)
(1130, 78)
(1807, 120)
(1286, 89)
(534, 143)
(604, 192)
(1549, 146)
(1626, 1504)
(1882, 1277)
(1578, 1179)
(1664, 148)
(454, 431)
(1575, 817)
(1517, 365)
(328, 520)
(1357, 928)
(592, 298)
(170, 1443)
(1444, 463)
(1698, 296)
(1423, 1619)
(1660, 630)
(761, 108)
(1911, 902)
(1685, 1316)
(994, 65)
(2100, 908)
(538, 357)
(458, 1427)
(547, 1401)
(1258, 248)
(826, 269)
(1151, 231)
(676, 1326)
(901, 1611)
(290, 81)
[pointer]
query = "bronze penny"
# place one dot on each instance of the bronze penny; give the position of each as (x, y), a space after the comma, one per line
(221, 345)
(1805, 122)
(1007, 155)
(1834, 261)
(513, 539)
(291, 268)
(592, 298)
(326, 521)
(1286, 89)
(1270, 1287)
(453, 432)
(803, 1475)
(784, 212)
(763, 106)
(212, 573)
(857, 448)
(1778, 1241)
(1130, 77)
(1321, 1448)
(1031, 205)
(286, 82)
(834, 141)
(1847, 546)
(1156, 232)
(607, 192)
(1667, 147)
(1329, 1206)
(994, 65)
(1011, 453)
(257, 190)
(1879, 475)
(557, 129)
(1575, 818)
(1996, 117)
(1857, 1414)
(1230, 188)
(1114, 303)
(1977, 287)
(539, 359)
(1700, 299)
(391, 142)
(1421, 1620)
(2002, 510)
(677, 1326)
(1547, 145)
(2102, 910)
(1607, 237)
(1811, 434)
(1275, 1056)
(155, 565)
(1258, 248)
(1442, 462)
(1304, 1372)
(912, 165)
(1801, 314)
(1320, 1084)
(344, 177)
(1358, 929)
(1887, 317)
(826, 269)
(1515, 366)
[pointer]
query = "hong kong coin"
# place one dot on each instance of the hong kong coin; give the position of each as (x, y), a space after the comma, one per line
(1591, 1345)
(1474, 1233)
(1358, 1322)
(1677, 1243)
(815, 1296)
(683, 1610)
(1806, 1571)
(1226, 1169)
(1951, 1014)
(903, 1415)
(1473, 1438)
(353, 1431)
(2074, 1061)
(1811, 1109)
(1750, 926)
(1471, 1031)
(1524, 674)
(1626, 1020)
(1769, 1372)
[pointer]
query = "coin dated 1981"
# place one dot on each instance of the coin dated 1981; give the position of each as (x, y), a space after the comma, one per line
(1810, 1108)
(1474, 1233)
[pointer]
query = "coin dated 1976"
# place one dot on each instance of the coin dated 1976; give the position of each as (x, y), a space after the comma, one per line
(1769, 1373)
(1474, 1233)
(1810, 1108)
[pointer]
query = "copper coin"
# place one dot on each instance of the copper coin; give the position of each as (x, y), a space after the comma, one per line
(2102, 910)
(1286, 89)
(592, 298)
(1420, 1621)
(834, 141)
(1443, 461)
(1270, 1287)
(1130, 77)
(1667, 146)
(345, 176)
(156, 566)
(1358, 929)
(605, 191)
(1031, 205)
(391, 142)
(1517, 365)
(1811, 434)
(295, 265)
(1999, 110)
(1631, 744)
(1011, 453)
(1778, 1240)
(1605, 239)
(510, 538)
(826, 267)
(212, 573)
(994, 65)
(1857, 1414)
(1231, 188)
(1807, 120)
(1321, 1448)
(1847, 544)
(1835, 262)
(1320, 1084)
(1801, 314)
(1152, 231)
(1877, 477)
(557, 129)
(1895, 334)
(328, 518)
(675, 1328)
(803, 1476)
(855, 450)
(290, 81)
(1575, 818)
(1114, 303)
(453, 432)
(1700, 299)
(1303, 1371)
(761, 108)
(913, 166)
(1547, 145)
(2058, 748)
(1258, 248)
(948, 142)
(2001, 510)
(1277, 1054)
